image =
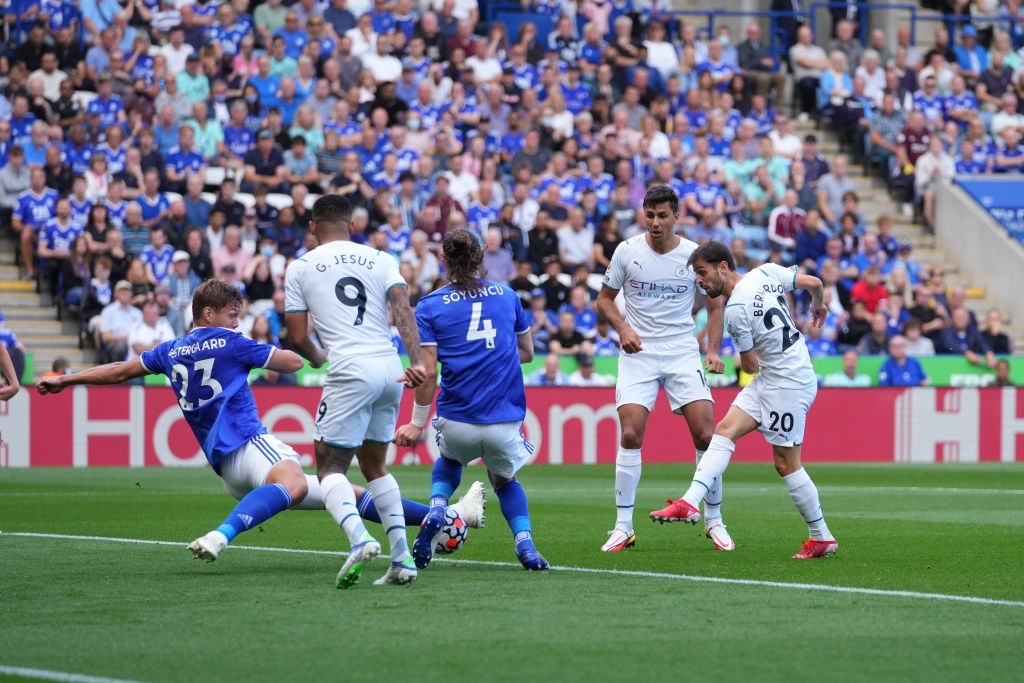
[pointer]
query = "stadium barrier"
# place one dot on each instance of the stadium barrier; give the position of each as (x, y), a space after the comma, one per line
(143, 427)
(953, 371)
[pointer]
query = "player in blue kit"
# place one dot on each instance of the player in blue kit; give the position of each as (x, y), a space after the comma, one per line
(209, 369)
(478, 331)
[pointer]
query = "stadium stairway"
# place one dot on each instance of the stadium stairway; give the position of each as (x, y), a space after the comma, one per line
(875, 201)
(36, 326)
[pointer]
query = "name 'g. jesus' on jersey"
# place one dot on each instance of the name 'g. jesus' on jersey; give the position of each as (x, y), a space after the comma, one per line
(757, 317)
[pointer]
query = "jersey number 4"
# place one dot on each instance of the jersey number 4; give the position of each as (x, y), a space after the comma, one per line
(480, 329)
(789, 334)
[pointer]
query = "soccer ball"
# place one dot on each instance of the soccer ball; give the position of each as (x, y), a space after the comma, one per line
(452, 535)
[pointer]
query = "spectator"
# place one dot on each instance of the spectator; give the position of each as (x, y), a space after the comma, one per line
(497, 263)
(835, 84)
(543, 321)
(896, 315)
(958, 338)
(917, 345)
(993, 334)
(933, 316)
(831, 188)
(426, 269)
(149, 332)
(60, 366)
(810, 243)
(584, 375)
(264, 164)
(757, 64)
(807, 62)
(785, 223)
(876, 341)
(230, 252)
(818, 345)
(870, 290)
(883, 134)
(550, 375)
(35, 206)
(971, 58)
(932, 165)
(853, 326)
(899, 369)
(14, 178)
(57, 237)
(992, 84)
(1003, 373)
(848, 376)
(116, 323)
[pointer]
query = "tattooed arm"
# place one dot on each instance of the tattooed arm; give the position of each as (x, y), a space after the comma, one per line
(405, 321)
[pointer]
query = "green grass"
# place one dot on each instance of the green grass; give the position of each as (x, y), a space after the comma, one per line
(912, 538)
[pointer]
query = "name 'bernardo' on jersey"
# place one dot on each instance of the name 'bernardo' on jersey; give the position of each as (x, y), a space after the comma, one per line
(489, 290)
(349, 260)
(658, 290)
(769, 288)
(191, 349)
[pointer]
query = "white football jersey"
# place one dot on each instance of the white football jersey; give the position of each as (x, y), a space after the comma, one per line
(757, 317)
(345, 287)
(658, 288)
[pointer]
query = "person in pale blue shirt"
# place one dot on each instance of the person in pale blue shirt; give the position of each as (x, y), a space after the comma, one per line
(97, 16)
(848, 376)
(192, 81)
(551, 375)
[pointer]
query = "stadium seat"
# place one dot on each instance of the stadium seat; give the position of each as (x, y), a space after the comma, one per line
(247, 200)
(172, 196)
(279, 200)
(215, 176)
(210, 197)
(310, 200)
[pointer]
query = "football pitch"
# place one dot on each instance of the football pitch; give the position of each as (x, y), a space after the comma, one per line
(96, 584)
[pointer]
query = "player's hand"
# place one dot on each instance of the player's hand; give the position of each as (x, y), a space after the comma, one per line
(714, 364)
(8, 390)
(414, 376)
(319, 360)
(49, 385)
(408, 435)
(630, 340)
(818, 312)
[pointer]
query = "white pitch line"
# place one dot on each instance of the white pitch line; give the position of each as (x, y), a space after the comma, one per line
(853, 590)
(64, 676)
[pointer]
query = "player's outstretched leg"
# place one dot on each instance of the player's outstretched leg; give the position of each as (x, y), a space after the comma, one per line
(256, 507)
(444, 479)
(516, 511)
(340, 501)
(804, 495)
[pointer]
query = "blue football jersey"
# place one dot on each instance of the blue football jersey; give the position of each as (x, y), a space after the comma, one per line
(60, 237)
(477, 345)
(209, 370)
(35, 209)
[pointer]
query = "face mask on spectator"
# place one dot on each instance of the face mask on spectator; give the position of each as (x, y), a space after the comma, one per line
(267, 251)
(724, 40)
(414, 124)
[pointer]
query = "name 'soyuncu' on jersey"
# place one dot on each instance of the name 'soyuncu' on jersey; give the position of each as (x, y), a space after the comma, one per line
(489, 290)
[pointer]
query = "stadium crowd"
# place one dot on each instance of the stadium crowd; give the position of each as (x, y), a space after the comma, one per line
(116, 118)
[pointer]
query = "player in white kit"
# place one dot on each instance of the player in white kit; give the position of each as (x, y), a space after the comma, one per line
(658, 346)
(347, 288)
(777, 400)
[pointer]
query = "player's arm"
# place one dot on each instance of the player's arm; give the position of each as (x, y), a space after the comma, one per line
(409, 434)
(629, 340)
(284, 361)
(712, 359)
(748, 362)
(405, 321)
(525, 341)
(818, 309)
(111, 373)
(297, 323)
(11, 383)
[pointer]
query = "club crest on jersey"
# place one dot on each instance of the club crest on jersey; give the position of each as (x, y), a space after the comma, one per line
(682, 271)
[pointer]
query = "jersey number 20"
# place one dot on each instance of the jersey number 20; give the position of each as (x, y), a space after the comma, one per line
(480, 329)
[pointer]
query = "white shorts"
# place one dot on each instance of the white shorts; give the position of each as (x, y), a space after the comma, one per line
(360, 405)
(781, 413)
(502, 446)
(677, 365)
(247, 468)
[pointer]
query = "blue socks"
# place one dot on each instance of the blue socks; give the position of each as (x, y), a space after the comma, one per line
(444, 479)
(258, 506)
(515, 509)
(414, 511)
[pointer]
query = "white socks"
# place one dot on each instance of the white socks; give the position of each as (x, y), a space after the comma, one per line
(709, 472)
(340, 501)
(388, 499)
(805, 496)
(713, 498)
(627, 478)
